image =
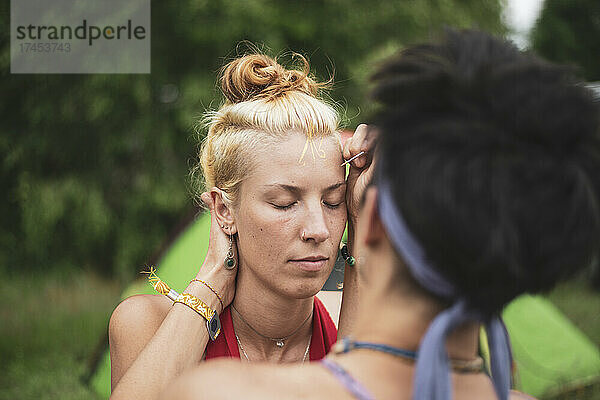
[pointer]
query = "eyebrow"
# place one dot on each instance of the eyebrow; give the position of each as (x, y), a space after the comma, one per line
(296, 189)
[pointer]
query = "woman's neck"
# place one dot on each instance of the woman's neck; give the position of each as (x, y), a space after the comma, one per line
(261, 312)
(402, 321)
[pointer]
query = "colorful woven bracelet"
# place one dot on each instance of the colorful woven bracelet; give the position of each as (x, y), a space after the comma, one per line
(213, 324)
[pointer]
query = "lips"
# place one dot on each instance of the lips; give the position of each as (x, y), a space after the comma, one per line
(312, 258)
(311, 263)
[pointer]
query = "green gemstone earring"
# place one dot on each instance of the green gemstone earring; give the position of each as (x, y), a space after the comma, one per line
(351, 261)
(229, 262)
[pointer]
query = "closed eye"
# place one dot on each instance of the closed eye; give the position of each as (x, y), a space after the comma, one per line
(284, 207)
(333, 206)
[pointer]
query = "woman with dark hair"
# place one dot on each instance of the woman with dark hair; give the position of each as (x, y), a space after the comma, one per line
(486, 187)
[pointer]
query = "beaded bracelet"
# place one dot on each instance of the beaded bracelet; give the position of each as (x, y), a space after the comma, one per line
(212, 290)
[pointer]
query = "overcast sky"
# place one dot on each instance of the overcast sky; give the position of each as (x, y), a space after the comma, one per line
(520, 16)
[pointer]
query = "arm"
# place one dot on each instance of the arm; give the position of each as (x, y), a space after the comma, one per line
(350, 296)
(131, 326)
(177, 344)
(359, 177)
(174, 341)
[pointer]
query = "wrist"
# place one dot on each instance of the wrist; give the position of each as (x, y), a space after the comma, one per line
(190, 298)
(221, 280)
(194, 297)
(203, 293)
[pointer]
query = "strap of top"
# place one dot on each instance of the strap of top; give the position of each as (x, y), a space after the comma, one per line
(347, 381)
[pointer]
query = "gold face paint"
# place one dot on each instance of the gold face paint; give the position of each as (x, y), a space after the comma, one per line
(316, 151)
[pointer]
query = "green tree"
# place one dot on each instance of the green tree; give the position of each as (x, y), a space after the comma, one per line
(568, 31)
(94, 167)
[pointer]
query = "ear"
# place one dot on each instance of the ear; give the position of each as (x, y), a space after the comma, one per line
(372, 227)
(223, 211)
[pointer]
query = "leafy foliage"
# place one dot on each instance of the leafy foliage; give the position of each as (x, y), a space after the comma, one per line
(568, 31)
(94, 167)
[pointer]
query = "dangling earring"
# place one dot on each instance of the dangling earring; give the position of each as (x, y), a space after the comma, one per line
(229, 262)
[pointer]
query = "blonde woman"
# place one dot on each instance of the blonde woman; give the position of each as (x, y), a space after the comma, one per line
(279, 203)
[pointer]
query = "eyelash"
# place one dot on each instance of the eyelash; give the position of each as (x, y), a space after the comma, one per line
(333, 206)
(287, 207)
(284, 207)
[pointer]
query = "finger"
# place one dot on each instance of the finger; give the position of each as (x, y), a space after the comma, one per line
(368, 173)
(211, 203)
(360, 144)
(356, 146)
(360, 161)
(368, 143)
(346, 152)
(362, 130)
(215, 226)
(352, 145)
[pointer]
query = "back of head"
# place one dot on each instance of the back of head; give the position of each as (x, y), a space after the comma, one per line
(494, 160)
(264, 102)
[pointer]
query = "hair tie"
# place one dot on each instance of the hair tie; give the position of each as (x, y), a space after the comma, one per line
(432, 374)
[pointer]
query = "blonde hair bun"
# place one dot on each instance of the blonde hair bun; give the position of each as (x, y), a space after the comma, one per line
(260, 76)
(265, 103)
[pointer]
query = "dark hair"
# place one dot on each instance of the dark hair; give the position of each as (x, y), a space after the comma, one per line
(494, 157)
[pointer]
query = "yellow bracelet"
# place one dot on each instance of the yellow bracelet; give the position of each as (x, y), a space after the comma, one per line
(212, 290)
(213, 324)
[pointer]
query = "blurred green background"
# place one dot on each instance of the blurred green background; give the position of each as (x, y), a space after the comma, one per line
(94, 168)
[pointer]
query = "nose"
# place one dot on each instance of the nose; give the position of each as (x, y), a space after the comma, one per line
(315, 227)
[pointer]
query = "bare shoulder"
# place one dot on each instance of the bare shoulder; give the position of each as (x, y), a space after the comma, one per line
(138, 313)
(514, 395)
(230, 379)
(132, 325)
(332, 301)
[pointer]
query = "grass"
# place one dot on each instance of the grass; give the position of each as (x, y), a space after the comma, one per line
(581, 304)
(51, 325)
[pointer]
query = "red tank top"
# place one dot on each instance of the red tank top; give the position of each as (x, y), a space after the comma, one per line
(324, 335)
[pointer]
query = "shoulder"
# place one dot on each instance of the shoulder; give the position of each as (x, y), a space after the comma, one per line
(332, 301)
(132, 324)
(515, 395)
(139, 312)
(230, 379)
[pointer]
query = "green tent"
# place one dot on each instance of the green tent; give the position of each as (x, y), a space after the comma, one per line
(551, 354)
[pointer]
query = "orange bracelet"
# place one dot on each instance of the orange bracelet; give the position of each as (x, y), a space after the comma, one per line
(212, 290)
(213, 324)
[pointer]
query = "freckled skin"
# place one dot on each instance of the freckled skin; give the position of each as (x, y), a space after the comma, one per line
(269, 237)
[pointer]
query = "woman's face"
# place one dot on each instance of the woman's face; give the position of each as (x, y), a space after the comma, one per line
(292, 214)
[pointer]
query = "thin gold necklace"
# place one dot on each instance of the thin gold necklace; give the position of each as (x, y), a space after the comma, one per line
(280, 342)
(248, 359)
